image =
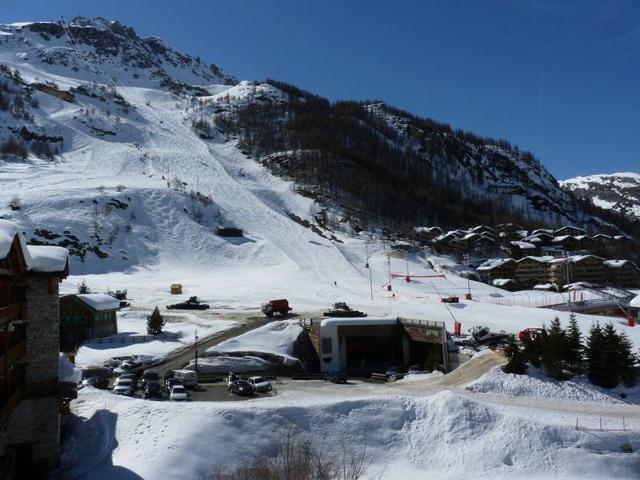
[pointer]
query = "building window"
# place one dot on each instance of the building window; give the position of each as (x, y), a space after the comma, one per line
(327, 346)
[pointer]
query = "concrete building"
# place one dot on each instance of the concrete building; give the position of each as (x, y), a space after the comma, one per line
(86, 316)
(365, 345)
(29, 339)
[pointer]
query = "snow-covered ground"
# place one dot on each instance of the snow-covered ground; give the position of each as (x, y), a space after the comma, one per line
(448, 435)
(538, 385)
(134, 323)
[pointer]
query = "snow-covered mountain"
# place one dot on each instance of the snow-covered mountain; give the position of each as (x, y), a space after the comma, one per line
(131, 154)
(616, 191)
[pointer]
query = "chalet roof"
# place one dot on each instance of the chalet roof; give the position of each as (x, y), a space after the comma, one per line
(615, 263)
(427, 229)
(481, 227)
(561, 238)
(523, 245)
(574, 258)
(99, 302)
(39, 258)
(494, 263)
(545, 259)
(635, 303)
(501, 282)
(570, 227)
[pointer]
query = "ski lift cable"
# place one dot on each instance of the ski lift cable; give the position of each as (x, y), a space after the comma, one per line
(75, 45)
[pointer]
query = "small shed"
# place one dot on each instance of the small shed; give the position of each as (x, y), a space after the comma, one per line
(86, 316)
(176, 289)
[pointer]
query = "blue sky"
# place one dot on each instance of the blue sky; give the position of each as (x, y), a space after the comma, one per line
(559, 78)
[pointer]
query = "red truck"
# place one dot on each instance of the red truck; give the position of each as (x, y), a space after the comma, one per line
(280, 306)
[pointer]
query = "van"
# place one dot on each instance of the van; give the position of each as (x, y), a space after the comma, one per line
(189, 377)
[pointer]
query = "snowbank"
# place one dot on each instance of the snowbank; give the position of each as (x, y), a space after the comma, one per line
(275, 338)
(67, 371)
(446, 435)
(536, 384)
(223, 364)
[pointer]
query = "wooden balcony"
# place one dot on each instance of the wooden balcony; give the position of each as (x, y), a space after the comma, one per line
(15, 353)
(15, 311)
(7, 407)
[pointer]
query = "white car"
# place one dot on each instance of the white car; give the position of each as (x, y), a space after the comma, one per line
(124, 386)
(260, 384)
(178, 393)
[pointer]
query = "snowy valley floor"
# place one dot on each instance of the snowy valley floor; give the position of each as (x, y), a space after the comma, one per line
(429, 429)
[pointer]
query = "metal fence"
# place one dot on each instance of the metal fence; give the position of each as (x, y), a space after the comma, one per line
(137, 338)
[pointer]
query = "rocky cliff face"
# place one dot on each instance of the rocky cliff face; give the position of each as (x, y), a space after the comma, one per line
(616, 191)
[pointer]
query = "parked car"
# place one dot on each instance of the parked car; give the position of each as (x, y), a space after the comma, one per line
(242, 387)
(150, 376)
(126, 367)
(96, 382)
(260, 384)
(178, 393)
(172, 382)
(414, 369)
(124, 386)
(189, 377)
(336, 376)
(393, 374)
(232, 377)
(153, 389)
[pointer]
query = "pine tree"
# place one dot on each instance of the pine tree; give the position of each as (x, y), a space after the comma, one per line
(627, 360)
(517, 363)
(574, 351)
(611, 357)
(553, 347)
(594, 354)
(155, 322)
(83, 287)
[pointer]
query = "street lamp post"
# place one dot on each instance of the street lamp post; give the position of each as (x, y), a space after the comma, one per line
(196, 348)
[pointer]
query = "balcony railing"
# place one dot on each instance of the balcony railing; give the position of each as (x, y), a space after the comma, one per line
(7, 404)
(15, 353)
(9, 313)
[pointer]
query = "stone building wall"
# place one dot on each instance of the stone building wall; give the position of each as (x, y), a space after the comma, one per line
(36, 419)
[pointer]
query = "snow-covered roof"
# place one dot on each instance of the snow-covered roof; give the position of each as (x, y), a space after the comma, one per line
(635, 303)
(47, 259)
(99, 301)
(40, 258)
(523, 245)
(493, 263)
(544, 286)
(615, 263)
(501, 282)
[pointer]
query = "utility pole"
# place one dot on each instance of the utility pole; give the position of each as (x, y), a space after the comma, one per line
(566, 264)
(371, 284)
(195, 343)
